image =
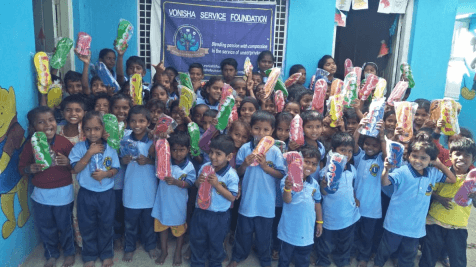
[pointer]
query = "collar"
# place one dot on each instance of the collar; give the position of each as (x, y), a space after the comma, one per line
(223, 170)
(348, 166)
(144, 139)
(88, 144)
(181, 165)
(209, 104)
(252, 144)
(416, 174)
(308, 179)
(52, 143)
(370, 157)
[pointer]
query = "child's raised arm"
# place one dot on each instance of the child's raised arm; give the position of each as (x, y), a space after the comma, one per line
(287, 197)
(386, 168)
(85, 77)
(383, 142)
(450, 177)
(357, 105)
(120, 64)
(362, 123)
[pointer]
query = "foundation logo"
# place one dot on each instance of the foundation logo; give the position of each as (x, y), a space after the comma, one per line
(429, 190)
(374, 169)
(187, 42)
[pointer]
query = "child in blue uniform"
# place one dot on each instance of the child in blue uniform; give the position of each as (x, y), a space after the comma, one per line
(406, 215)
(301, 211)
(95, 162)
(256, 211)
(209, 227)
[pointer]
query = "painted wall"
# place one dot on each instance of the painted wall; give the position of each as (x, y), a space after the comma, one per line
(304, 47)
(19, 236)
(466, 6)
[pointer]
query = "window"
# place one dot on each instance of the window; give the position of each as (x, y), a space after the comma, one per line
(279, 33)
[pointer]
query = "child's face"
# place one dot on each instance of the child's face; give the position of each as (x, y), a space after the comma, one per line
(453, 138)
(171, 75)
(93, 129)
(109, 60)
(238, 100)
(461, 161)
(45, 122)
(102, 105)
(160, 94)
(268, 105)
(228, 72)
(292, 108)
(73, 113)
(327, 131)
(302, 79)
(175, 114)
(164, 81)
(240, 88)
(247, 109)
(257, 79)
(369, 69)
(309, 166)
(371, 146)
(139, 124)
(178, 152)
(352, 125)
(206, 122)
(305, 102)
(312, 130)
(196, 75)
(98, 87)
(214, 91)
(261, 129)
(74, 87)
(265, 63)
(421, 116)
(239, 136)
(155, 114)
(330, 66)
(345, 151)
(419, 160)
(259, 92)
(218, 158)
(198, 115)
(282, 131)
(391, 122)
(121, 109)
(135, 69)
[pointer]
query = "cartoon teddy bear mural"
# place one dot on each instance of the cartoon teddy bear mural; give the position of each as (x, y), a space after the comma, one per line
(11, 182)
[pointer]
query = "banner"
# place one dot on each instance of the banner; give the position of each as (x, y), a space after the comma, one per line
(207, 32)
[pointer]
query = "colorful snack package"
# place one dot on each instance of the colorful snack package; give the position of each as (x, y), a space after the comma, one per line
(111, 126)
(407, 74)
(165, 124)
(296, 132)
(336, 87)
(42, 66)
(136, 89)
(279, 101)
(313, 80)
(405, 113)
(294, 161)
(61, 54)
(375, 114)
(184, 80)
(83, 43)
(348, 67)
(187, 97)
(262, 148)
(380, 88)
(369, 85)
(162, 149)
(435, 110)
(206, 138)
(106, 76)
(358, 73)
(129, 148)
(124, 34)
(248, 68)
(233, 116)
(41, 150)
(224, 113)
(397, 93)
(469, 185)
(54, 96)
(205, 190)
(272, 80)
(194, 133)
(334, 168)
(226, 91)
(395, 152)
(96, 163)
(449, 114)
(350, 89)
(322, 74)
(319, 97)
(336, 109)
(281, 145)
(292, 79)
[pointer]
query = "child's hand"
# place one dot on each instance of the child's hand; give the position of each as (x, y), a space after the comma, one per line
(364, 120)
(170, 180)
(215, 121)
(323, 183)
(213, 180)
(262, 160)
(35, 168)
(445, 201)
(126, 159)
(380, 126)
(355, 104)
(437, 163)
(249, 159)
(318, 229)
(95, 149)
(429, 124)
(200, 180)
(288, 184)
(398, 132)
(61, 160)
(83, 58)
(120, 52)
(143, 160)
(105, 135)
(159, 68)
(293, 146)
(249, 85)
(387, 165)
(98, 175)
(440, 123)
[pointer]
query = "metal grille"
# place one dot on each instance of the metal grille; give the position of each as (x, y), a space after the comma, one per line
(279, 33)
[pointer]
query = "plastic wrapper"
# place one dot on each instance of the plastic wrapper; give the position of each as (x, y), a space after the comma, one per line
(233, 116)
(350, 89)
(407, 74)
(380, 88)
(296, 132)
(129, 148)
(336, 109)
(124, 34)
(336, 87)
(83, 43)
(96, 163)
(358, 73)
(435, 110)
(348, 67)
(165, 124)
(106, 76)
(375, 114)
(164, 168)
(311, 83)
(262, 147)
(205, 190)
(42, 65)
(397, 93)
(369, 85)
(334, 168)
(187, 97)
(226, 91)
(184, 80)
(61, 54)
(281, 145)
(319, 97)
(294, 161)
(224, 113)
(469, 186)
(136, 89)
(271, 82)
(41, 150)
(449, 115)
(292, 79)
(405, 113)
(194, 133)
(207, 136)
(279, 101)
(111, 126)
(322, 74)
(395, 152)
(248, 69)
(54, 96)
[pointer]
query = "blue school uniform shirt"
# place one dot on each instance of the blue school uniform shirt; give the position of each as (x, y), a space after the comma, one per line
(110, 160)
(296, 225)
(406, 214)
(367, 184)
(206, 102)
(228, 178)
(170, 206)
(119, 177)
(259, 188)
(321, 148)
(339, 209)
(388, 190)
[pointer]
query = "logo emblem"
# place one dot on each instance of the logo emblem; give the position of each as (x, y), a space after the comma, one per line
(374, 168)
(107, 163)
(429, 190)
(187, 42)
(182, 177)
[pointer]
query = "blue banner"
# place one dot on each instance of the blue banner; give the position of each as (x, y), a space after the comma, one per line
(207, 32)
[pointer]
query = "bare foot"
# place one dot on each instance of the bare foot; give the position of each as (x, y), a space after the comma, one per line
(153, 253)
(362, 264)
(107, 263)
(69, 261)
(89, 264)
(118, 244)
(177, 259)
(232, 264)
(161, 259)
(128, 256)
(50, 263)
(188, 253)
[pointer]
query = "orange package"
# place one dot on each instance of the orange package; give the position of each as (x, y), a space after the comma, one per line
(336, 87)
(262, 148)
(405, 112)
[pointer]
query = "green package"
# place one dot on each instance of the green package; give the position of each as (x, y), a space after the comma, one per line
(407, 73)
(184, 79)
(41, 149)
(61, 54)
(279, 84)
(194, 133)
(112, 128)
(124, 34)
(224, 113)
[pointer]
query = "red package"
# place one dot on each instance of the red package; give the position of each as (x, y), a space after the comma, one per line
(296, 133)
(233, 116)
(291, 156)
(226, 90)
(348, 67)
(369, 86)
(83, 43)
(163, 125)
(358, 71)
(162, 149)
(262, 148)
(313, 80)
(295, 169)
(319, 98)
(292, 79)
(279, 100)
(397, 93)
(205, 191)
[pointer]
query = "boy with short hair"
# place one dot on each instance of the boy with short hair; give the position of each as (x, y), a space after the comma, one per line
(257, 206)
(196, 75)
(229, 69)
(72, 82)
(209, 227)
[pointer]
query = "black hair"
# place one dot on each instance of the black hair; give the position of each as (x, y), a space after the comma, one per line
(323, 61)
(428, 133)
(241, 123)
(139, 109)
(311, 115)
(102, 96)
(123, 88)
(179, 138)
(156, 86)
(251, 100)
(424, 104)
(135, 60)
(349, 114)
(210, 82)
(195, 66)
(210, 113)
(55, 78)
(72, 76)
(77, 98)
(33, 114)
(341, 139)
(235, 80)
(194, 109)
(223, 142)
(293, 102)
(174, 104)
(423, 142)
(173, 70)
(294, 89)
(229, 61)
(308, 151)
(105, 51)
(295, 69)
(265, 116)
(95, 78)
(369, 64)
(300, 94)
(156, 104)
(388, 113)
(118, 97)
(464, 145)
(465, 133)
(92, 114)
(284, 117)
(266, 53)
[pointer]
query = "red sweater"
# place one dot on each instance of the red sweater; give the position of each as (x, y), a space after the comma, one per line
(53, 177)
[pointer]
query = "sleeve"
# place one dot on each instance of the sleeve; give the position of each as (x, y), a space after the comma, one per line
(278, 160)
(358, 157)
(76, 154)
(26, 158)
(191, 175)
(317, 194)
(232, 183)
(440, 177)
(241, 155)
(395, 176)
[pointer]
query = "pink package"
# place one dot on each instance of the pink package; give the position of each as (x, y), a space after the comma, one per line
(279, 100)
(296, 133)
(83, 43)
(319, 98)
(358, 71)
(233, 116)
(295, 169)
(369, 86)
(348, 67)
(162, 149)
(226, 90)
(397, 93)
(207, 136)
(205, 191)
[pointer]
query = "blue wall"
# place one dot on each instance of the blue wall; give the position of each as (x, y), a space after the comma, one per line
(16, 44)
(310, 34)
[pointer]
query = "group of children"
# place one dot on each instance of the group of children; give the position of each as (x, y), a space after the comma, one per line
(102, 200)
